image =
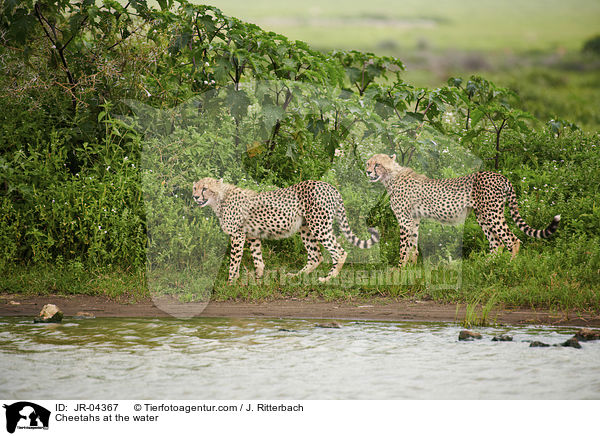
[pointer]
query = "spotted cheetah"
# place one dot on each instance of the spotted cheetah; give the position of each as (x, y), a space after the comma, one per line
(308, 207)
(414, 196)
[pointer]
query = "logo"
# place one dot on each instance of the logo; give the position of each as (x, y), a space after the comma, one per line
(26, 415)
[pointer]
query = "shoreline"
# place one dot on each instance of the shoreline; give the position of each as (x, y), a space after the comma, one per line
(417, 311)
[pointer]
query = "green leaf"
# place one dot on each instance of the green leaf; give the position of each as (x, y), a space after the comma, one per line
(180, 41)
(372, 71)
(141, 6)
(238, 103)
(476, 116)
(317, 126)
(471, 134)
(455, 81)
(414, 116)
(291, 151)
(270, 115)
(472, 88)
(354, 74)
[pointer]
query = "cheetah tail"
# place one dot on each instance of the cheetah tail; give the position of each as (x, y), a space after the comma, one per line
(516, 216)
(352, 238)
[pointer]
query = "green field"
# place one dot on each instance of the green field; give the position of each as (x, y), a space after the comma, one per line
(463, 25)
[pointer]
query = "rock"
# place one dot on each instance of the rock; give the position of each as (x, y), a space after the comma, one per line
(49, 313)
(502, 338)
(467, 335)
(84, 315)
(573, 343)
(586, 334)
(538, 344)
(330, 325)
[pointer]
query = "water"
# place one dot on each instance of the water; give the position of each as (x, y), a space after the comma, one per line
(255, 358)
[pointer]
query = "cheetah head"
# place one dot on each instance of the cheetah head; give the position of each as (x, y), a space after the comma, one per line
(381, 166)
(206, 191)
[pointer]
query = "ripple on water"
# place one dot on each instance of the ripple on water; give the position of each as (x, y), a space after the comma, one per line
(220, 358)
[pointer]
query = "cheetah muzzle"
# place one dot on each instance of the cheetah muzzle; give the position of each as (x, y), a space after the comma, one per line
(372, 174)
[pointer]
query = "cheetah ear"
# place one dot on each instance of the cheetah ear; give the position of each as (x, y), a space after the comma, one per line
(221, 181)
(393, 157)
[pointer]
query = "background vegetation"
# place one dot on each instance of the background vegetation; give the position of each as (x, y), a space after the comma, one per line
(534, 48)
(111, 110)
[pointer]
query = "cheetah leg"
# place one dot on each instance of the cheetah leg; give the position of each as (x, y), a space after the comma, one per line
(256, 250)
(405, 244)
(493, 238)
(237, 249)
(485, 223)
(516, 247)
(413, 243)
(507, 237)
(338, 256)
(314, 253)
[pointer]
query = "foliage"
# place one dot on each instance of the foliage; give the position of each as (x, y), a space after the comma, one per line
(592, 45)
(363, 68)
(489, 109)
(53, 214)
(111, 111)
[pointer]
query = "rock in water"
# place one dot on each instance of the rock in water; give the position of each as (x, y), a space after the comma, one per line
(502, 338)
(330, 325)
(84, 315)
(586, 334)
(538, 344)
(49, 313)
(573, 343)
(467, 335)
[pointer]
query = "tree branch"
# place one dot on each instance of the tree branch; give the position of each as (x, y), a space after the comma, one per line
(41, 19)
(73, 35)
(123, 39)
(417, 104)
(59, 50)
(412, 150)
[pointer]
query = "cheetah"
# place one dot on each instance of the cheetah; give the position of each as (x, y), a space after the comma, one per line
(308, 207)
(414, 196)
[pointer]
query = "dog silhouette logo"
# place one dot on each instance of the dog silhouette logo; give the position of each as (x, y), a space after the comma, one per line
(26, 415)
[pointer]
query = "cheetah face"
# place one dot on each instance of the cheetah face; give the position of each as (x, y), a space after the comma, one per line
(374, 172)
(205, 192)
(377, 166)
(201, 196)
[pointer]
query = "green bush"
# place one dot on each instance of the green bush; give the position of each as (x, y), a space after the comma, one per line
(105, 127)
(592, 45)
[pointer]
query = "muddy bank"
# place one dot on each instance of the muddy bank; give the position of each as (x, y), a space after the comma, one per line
(15, 305)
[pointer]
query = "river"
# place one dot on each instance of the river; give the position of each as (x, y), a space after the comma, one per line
(287, 359)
